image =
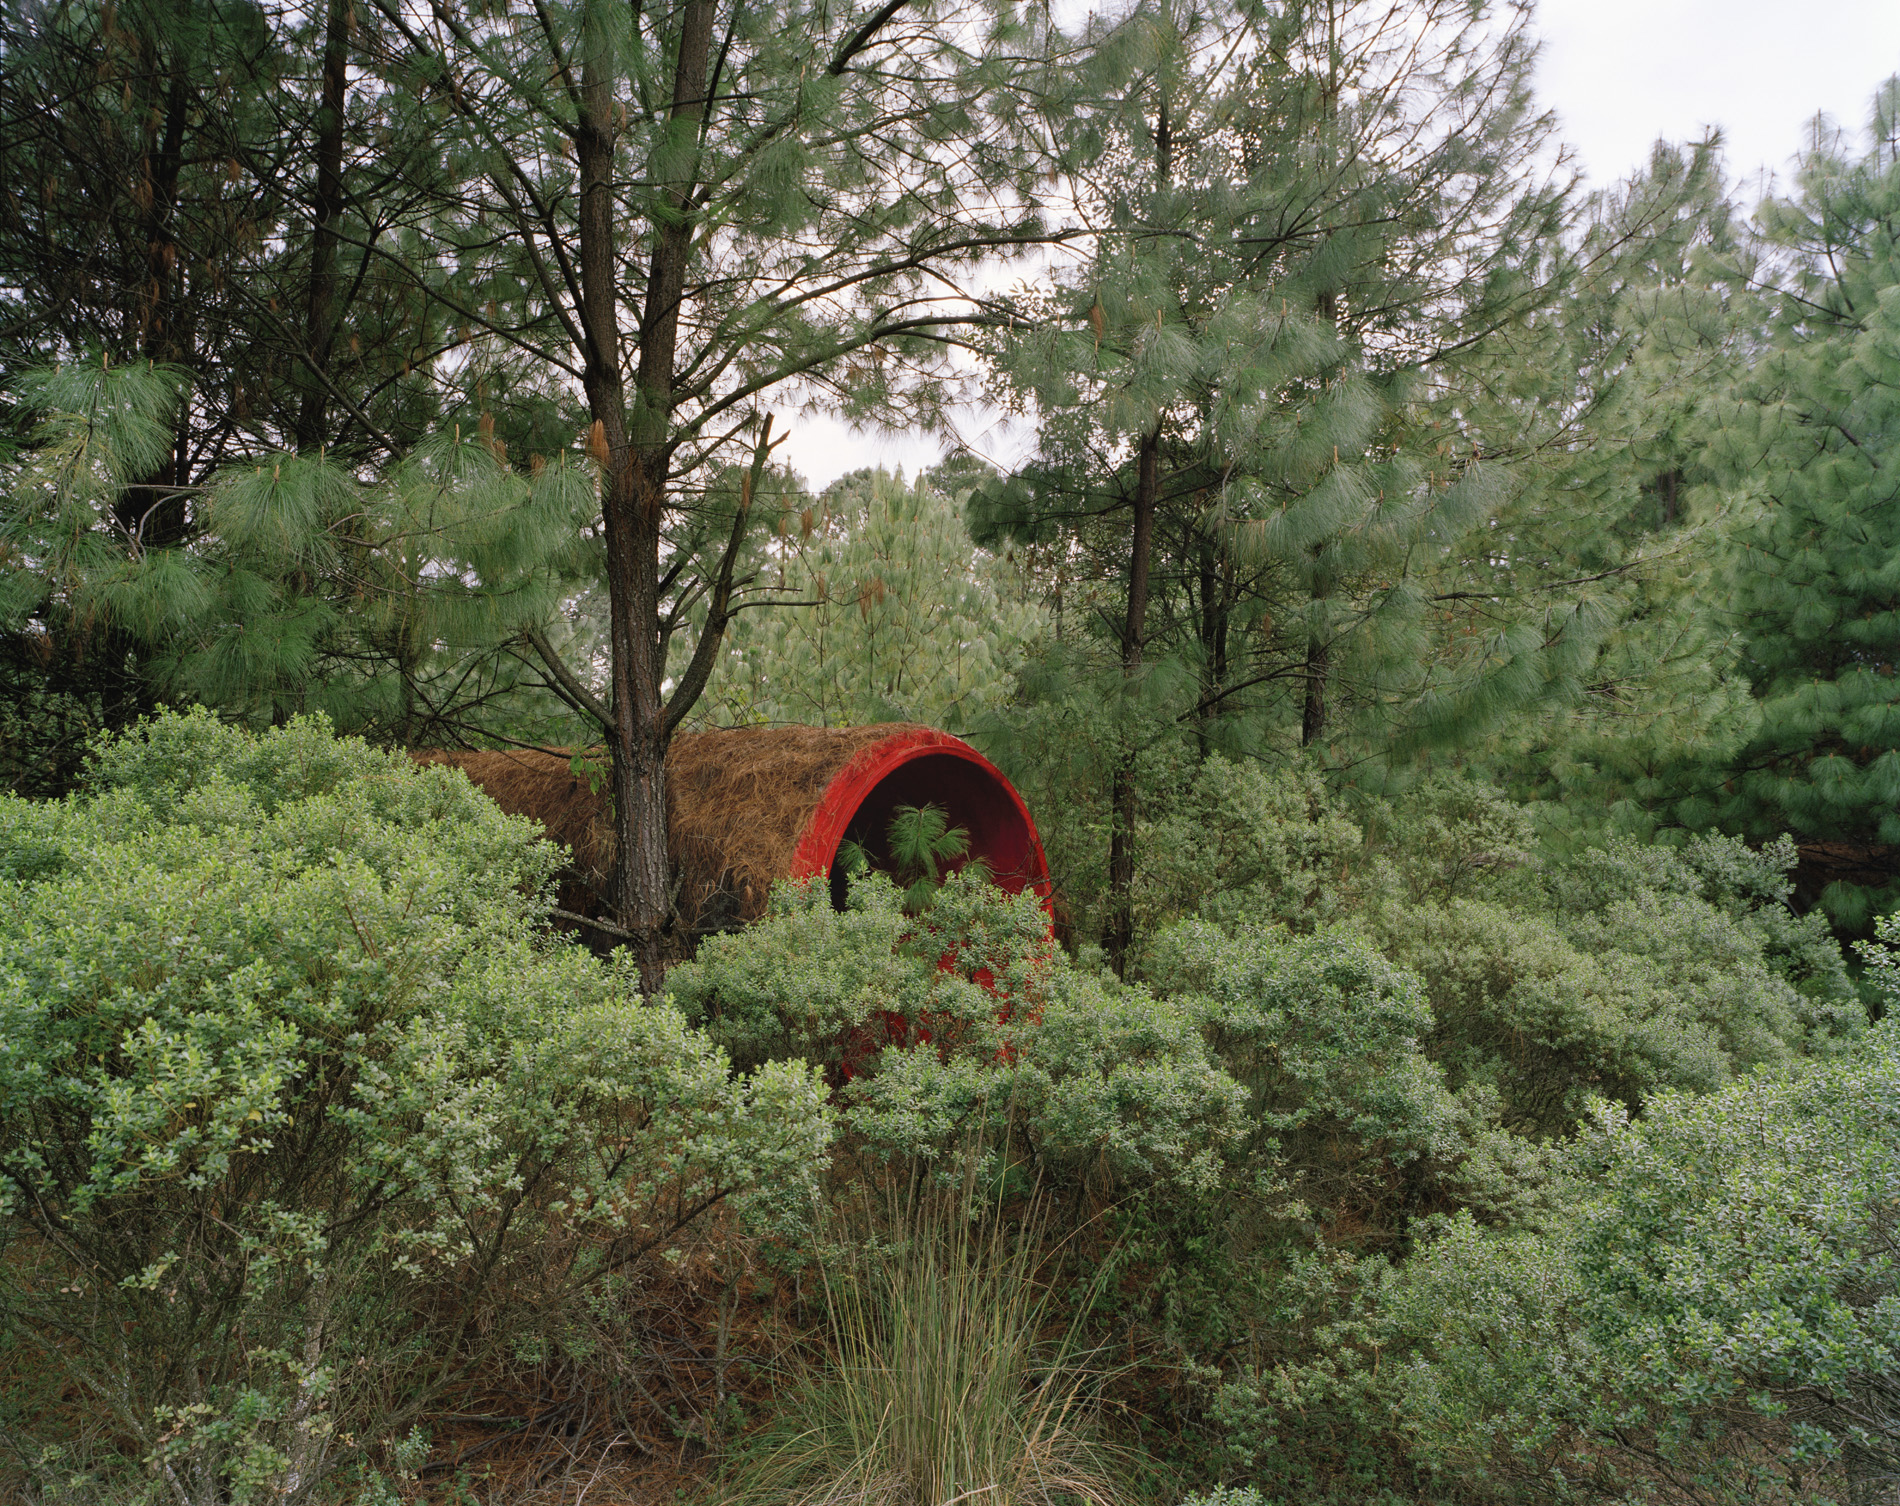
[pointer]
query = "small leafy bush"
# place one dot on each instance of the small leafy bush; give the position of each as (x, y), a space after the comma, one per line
(966, 1020)
(302, 1118)
(1234, 842)
(1717, 1318)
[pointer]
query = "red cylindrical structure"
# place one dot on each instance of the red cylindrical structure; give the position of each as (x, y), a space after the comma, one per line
(919, 766)
(755, 804)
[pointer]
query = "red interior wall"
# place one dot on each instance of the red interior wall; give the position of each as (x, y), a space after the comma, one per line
(973, 800)
(923, 767)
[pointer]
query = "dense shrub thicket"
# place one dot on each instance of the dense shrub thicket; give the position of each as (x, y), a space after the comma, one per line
(301, 1119)
(1493, 1168)
(1308, 1147)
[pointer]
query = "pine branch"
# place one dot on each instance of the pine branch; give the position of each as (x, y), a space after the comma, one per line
(567, 684)
(588, 920)
(719, 611)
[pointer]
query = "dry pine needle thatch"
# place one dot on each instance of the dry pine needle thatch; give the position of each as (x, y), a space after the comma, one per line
(738, 802)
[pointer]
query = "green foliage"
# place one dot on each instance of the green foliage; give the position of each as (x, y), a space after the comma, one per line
(301, 1118)
(1232, 839)
(1447, 837)
(1436, 1067)
(1716, 1317)
(964, 1020)
(1813, 584)
(807, 980)
(1622, 972)
(1235, 841)
(922, 841)
(943, 1385)
(176, 223)
(1327, 1037)
(1444, 1146)
(1288, 186)
(386, 603)
(1263, 1286)
(891, 615)
(1635, 434)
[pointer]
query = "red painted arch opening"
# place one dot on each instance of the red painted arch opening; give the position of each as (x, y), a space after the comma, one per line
(918, 767)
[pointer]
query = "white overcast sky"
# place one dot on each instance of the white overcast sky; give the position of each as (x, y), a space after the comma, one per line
(1619, 74)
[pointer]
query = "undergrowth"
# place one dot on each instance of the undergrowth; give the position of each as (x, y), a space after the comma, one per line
(950, 1378)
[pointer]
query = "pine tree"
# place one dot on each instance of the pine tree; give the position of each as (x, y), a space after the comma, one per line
(1251, 392)
(191, 190)
(391, 602)
(1817, 581)
(189, 193)
(870, 604)
(708, 203)
(1636, 449)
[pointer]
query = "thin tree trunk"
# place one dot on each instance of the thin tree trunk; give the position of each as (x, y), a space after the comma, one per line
(1669, 484)
(1319, 656)
(1319, 647)
(320, 316)
(154, 508)
(1119, 931)
(635, 477)
(1215, 607)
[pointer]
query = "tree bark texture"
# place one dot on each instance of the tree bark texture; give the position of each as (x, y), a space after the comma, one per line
(1119, 931)
(326, 211)
(1216, 610)
(635, 474)
(1319, 656)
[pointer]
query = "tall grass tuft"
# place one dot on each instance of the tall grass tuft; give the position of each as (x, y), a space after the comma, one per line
(944, 1389)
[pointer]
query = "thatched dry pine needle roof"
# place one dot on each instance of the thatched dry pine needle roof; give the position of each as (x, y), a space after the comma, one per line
(748, 806)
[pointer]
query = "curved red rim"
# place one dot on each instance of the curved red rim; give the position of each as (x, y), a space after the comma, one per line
(853, 784)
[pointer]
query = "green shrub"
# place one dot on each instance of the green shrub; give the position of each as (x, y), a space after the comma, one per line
(1327, 1036)
(1717, 1318)
(1622, 972)
(805, 979)
(965, 1019)
(1246, 842)
(1746, 886)
(1544, 1023)
(301, 1118)
(951, 1378)
(1450, 838)
(1108, 1086)
(1265, 1288)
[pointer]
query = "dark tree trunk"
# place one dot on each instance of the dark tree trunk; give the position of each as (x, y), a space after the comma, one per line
(327, 210)
(1119, 930)
(153, 508)
(1668, 493)
(1319, 648)
(1319, 654)
(1216, 592)
(634, 482)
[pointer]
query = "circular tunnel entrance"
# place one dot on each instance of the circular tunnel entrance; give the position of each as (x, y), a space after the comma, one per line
(917, 767)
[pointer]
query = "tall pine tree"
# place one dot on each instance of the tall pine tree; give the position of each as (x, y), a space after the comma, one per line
(1311, 220)
(714, 207)
(1817, 577)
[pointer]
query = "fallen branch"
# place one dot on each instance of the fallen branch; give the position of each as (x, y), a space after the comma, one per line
(587, 920)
